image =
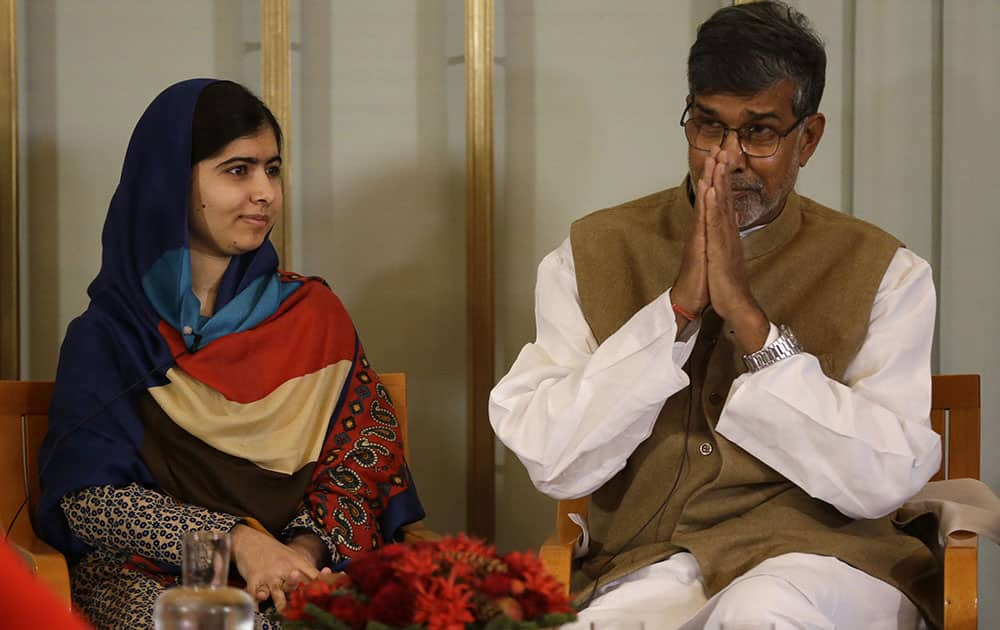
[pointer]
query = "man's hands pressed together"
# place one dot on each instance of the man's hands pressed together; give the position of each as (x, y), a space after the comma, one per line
(712, 269)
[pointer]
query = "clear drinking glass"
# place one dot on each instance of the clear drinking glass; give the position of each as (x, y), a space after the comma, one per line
(204, 601)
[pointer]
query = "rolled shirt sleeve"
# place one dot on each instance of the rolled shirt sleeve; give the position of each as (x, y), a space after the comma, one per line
(573, 411)
(864, 445)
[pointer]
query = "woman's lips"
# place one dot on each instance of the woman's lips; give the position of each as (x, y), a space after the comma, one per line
(258, 220)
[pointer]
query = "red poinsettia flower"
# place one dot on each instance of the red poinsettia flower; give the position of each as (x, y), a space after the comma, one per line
(317, 592)
(520, 563)
(443, 604)
(543, 583)
(392, 605)
(533, 603)
(496, 584)
(473, 546)
(369, 571)
(295, 610)
(349, 610)
(509, 607)
(450, 584)
(420, 563)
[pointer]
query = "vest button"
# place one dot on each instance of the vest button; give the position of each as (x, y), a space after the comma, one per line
(715, 398)
(706, 448)
(187, 330)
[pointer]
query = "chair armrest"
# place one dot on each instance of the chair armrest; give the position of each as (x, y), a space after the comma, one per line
(415, 532)
(960, 581)
(45, 562)
(556, 555)
(556, 552)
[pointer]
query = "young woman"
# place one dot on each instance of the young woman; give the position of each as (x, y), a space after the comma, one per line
(203, 388)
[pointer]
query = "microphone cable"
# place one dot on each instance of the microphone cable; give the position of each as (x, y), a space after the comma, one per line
(659, 511)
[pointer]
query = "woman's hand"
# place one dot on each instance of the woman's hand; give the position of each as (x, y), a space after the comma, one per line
(313, 547)
(267, 565)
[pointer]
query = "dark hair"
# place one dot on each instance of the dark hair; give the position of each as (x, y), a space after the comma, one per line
(224, 112)
(747, 48)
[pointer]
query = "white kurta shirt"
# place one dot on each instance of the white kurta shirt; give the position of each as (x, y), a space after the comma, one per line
(574, 411)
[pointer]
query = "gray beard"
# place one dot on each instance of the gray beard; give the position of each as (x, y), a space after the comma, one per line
(752, 207)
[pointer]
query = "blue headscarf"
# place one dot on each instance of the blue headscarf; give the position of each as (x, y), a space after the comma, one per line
(114, 349)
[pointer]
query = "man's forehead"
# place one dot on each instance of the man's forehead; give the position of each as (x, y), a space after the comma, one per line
(775, 101)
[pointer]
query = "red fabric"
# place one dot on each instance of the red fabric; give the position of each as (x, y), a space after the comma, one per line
(25, 602)
(245, 367)
(361, 469)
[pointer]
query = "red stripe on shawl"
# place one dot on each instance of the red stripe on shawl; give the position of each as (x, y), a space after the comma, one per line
(309, 331)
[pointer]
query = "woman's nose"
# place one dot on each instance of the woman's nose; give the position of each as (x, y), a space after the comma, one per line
(266, 189)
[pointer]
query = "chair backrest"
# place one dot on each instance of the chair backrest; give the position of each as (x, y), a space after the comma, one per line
(24, 419)
(24, 409)
(955, 406)
(395, 382)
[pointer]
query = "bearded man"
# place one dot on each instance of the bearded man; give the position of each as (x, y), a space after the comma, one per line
(737, 375)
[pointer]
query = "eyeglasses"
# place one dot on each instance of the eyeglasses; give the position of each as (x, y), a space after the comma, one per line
(755, 140)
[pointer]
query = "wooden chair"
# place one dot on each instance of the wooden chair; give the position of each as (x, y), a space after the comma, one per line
(955, 414)
(24, 408)
(955, 410)
(395, 382)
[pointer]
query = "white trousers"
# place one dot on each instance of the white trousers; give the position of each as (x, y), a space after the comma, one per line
(796, 590)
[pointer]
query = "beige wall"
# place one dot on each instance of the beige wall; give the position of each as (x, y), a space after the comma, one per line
(90, 68)
(381, 160)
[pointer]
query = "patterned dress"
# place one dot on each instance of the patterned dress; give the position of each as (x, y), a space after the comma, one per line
(112, 592)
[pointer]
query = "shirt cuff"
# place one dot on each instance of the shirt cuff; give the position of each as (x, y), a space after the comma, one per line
(304, 523)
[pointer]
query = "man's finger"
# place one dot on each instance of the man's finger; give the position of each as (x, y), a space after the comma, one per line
(708, 167)
(712, 219)
(724, 193)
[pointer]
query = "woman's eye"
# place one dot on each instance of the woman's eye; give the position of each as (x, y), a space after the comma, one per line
(274, 171)
(240, 169)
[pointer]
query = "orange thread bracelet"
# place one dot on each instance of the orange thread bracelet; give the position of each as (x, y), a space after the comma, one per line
(683, 312)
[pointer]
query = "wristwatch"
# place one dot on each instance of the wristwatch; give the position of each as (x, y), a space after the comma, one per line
(784, 346)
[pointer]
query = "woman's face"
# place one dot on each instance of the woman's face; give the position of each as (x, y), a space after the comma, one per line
(236, 196)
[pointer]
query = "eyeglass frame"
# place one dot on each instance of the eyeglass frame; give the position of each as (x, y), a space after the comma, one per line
(739, 138)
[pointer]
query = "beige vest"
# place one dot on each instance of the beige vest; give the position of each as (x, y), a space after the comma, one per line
(812, 268)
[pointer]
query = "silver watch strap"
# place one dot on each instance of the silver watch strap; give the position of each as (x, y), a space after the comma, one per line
(784, 346)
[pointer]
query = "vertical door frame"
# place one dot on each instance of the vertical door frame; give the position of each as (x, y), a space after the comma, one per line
(10, 318)
(480, 309)
(276, 90)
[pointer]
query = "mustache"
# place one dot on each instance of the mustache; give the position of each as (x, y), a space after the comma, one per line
(746, 184)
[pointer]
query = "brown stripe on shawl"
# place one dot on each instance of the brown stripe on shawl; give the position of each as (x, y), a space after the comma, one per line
(194, 472)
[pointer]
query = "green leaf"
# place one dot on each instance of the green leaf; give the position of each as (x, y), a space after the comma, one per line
(325, 619)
